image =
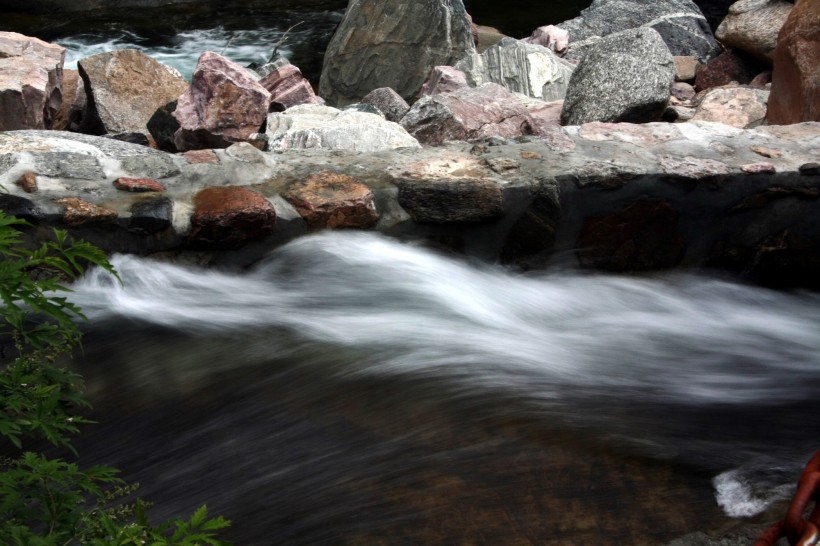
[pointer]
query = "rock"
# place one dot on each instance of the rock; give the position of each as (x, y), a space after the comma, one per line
(449, 200)
(683, 91)
(72, 108)
(730, 66)
(27, 182)
(625, 77)
(31, 75)
(331, 200)
(287, 87)
(229, 217)
(556, 39)
(151, 216)
(760, 167)
(795, 84)
(685, 68)
(741, 107)
(530, 69)
(643, 236)
(486, 37)
(678, 114)
(679, 22)
(322, 127)
(391, 43)
(124, 88)
(388, 102)
(224, 104)
(138, 184)
(443, 79)
(198, 157)
(163, 127)
(469, 114)
(78, 212)
(762, 80)
(752, 26)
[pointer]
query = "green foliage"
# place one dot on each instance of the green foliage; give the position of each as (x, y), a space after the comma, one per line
(46, 501)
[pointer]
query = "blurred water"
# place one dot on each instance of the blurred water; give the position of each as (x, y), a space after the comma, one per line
(341, 336)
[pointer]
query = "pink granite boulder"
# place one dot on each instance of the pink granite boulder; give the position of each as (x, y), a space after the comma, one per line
(332, 200)
(228, 217)
(288, 87)
(223, 105)
(31, 78)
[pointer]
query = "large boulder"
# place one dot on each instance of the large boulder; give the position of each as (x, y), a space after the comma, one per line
(680, 23)
(795, 94)
(223, 105)
(31, 75)
(391, 43)
(752, 26)
(317, 126)
(526, 68)
(469, 113)
(625, 77)
(124, 88)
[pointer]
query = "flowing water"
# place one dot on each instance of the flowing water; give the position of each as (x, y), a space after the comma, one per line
(353, 389)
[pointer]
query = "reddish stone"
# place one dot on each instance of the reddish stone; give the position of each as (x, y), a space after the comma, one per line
(223, 105)
(759, 167)
(77, 212)
(138, 184)
(288, 87)
(228, 217)
(331, 200)
(740, 107)
(726, 68)
(201, 156)
(443, 79)
(553, 38)
(795, 95)
(31, 76)
(28, 182)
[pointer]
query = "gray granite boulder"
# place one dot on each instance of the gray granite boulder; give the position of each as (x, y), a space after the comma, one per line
(752, 26)
(31, 76)
(124, 88)
(680, 23)
(526, 68)
(388, 102)
(625, 77)
(391, 43)
(325, 128)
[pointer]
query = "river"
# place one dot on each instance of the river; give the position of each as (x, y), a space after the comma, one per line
(354, 389)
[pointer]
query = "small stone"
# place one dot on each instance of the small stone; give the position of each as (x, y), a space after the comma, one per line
(388, 102)
(138, 184)
(77, 212)
(767, 152)
(201, 156)
(502, 165)
(810, 169)
(530, 155)
(228, 217)
(758, 168)
(28, 182)
(685, 67)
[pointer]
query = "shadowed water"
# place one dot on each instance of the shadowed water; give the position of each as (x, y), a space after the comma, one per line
(355, 389)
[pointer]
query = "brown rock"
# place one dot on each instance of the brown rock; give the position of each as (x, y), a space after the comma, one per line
(331, 200)
(766, 152)
(124, 88)
(752, 26)
(740, 107)
(796, 73)
(77, 212)
(759, 167)
(228, 217)
(28, 182)
(138, 184)
(685, 67)
(223, 105)
(31, 75)
(288, 87)
(726, 68)
(72, 108)
(643, 236)
(469, 114)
